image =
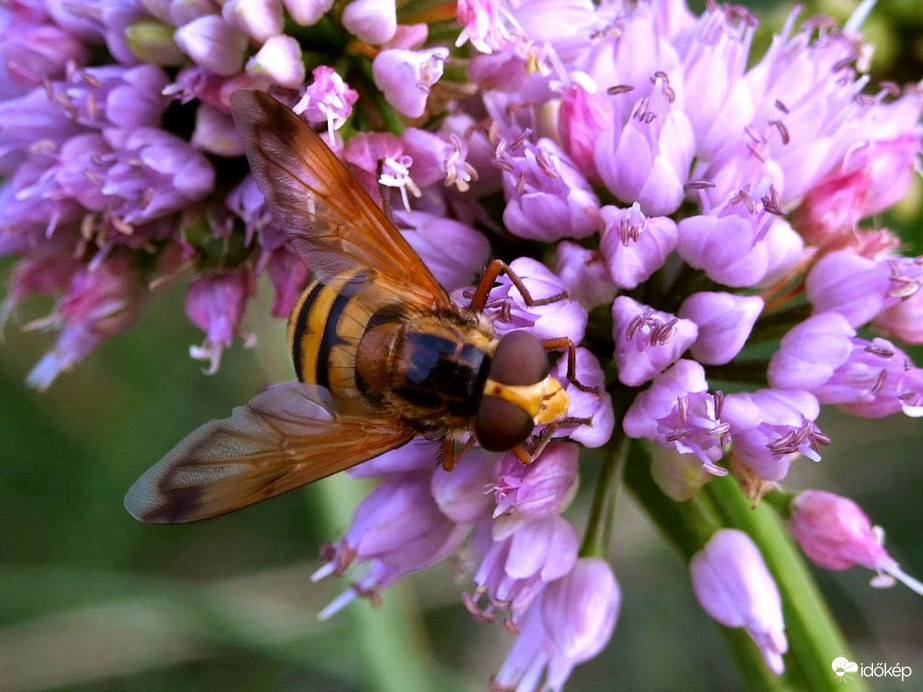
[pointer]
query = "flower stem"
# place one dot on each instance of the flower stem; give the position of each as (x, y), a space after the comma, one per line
(598, 535)
(813, 635)
(814, 639)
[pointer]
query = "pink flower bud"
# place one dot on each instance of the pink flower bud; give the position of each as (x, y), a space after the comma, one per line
(583, 117)
(453, 251)
(215, 132)
(99, 303)
(288, 276)
(733, 585)
(724, 321)
(213, 44)
(215, 303)
(835, 534)
(585, 273)
(373, 21)
(279, 60)
(307, 12)
(259, 19)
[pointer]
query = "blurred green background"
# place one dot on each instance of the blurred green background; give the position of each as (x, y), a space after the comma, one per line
(92, 600)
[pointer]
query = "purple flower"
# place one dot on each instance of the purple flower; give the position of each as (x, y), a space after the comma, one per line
(279, 60)
(648, 159)
(439, 159)
(307, 12)
(547, 198)
(873, 178)
(509, 312)
(540, 489)
(849, 284)
(99, 303)
(215, 303)
(405, 76)
(373, 21)
(724, 321)
(484, 24)
(869, 379)
(903, 320)
(215, 132)
(399, 524)
(213, 44)
(585, 274)
(288, 276)
(366, 150)
(647, 341)
(33, 53)
(519, 564)
(735, 250)
(678, 412)
(594, 406)
(328, 99)
(772, 428)
(261, 20)
(571, 623)
(635, 246)
(461, 494)
(733, 585)
(717, 98)
(583, 117)
(453, 251)
(835, 534)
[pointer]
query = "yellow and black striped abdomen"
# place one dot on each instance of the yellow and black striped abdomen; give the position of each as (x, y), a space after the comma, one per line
(325, 329)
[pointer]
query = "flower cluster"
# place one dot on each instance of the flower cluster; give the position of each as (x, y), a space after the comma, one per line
(705, 212)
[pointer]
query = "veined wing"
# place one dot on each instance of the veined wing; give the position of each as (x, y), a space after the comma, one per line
(330, 220)
(282, 439)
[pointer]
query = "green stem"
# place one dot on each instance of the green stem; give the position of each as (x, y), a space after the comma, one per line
(813, 635)
(814, 639)
(598, 535)
(775, 325)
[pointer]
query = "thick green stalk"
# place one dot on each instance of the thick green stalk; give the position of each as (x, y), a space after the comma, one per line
(814, 639)
(598, 535)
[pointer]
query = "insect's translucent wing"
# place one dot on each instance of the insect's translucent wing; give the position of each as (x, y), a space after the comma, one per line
(282, 439)
(330, 221)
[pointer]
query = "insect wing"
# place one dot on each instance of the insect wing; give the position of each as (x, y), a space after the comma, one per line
(329, 219)
(282, 439)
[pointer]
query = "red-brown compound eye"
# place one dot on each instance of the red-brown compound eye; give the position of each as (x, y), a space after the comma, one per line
(520, 359)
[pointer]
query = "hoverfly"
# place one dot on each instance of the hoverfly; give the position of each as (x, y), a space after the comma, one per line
(381, 352)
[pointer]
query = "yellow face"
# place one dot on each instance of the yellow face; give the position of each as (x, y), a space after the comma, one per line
(545, 401)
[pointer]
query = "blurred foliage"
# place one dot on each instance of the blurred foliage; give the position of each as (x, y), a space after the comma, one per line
(92, 600)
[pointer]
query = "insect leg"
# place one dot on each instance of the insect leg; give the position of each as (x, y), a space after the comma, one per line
(565, 343)
(490, 276)
(448, 453)
(384, 191)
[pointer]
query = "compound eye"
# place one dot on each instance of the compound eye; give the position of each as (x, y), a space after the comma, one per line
(501, 425)
(520, 358)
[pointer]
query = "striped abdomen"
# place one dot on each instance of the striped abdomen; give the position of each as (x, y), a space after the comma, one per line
(326, 327)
